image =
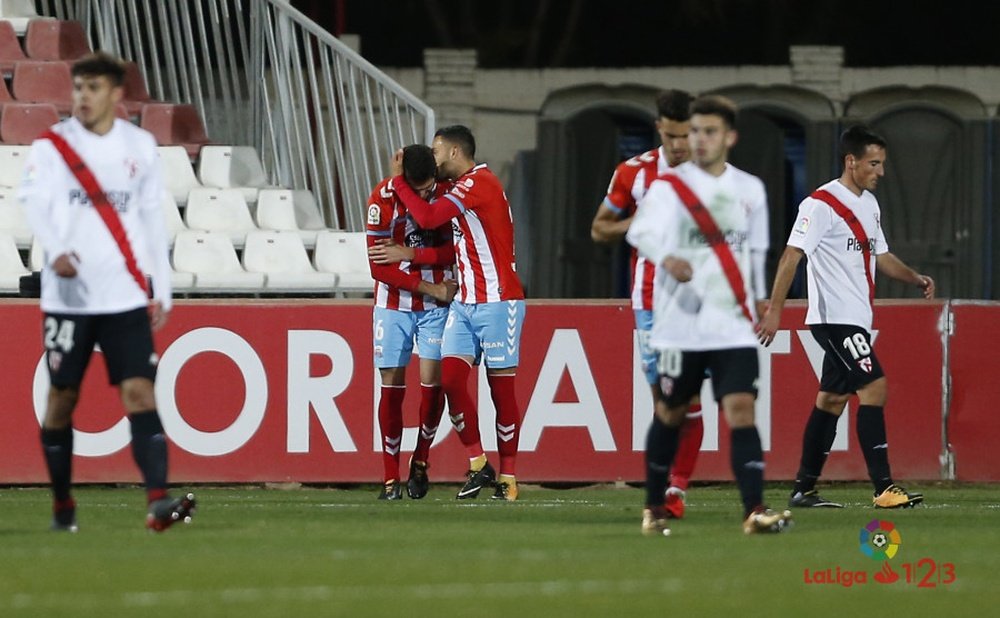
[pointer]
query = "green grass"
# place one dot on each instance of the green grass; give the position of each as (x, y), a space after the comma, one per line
(576, 552)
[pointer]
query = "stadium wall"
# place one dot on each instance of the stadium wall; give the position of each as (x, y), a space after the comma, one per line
(254, 391)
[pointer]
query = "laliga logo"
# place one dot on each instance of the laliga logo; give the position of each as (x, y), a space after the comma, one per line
(880, 540)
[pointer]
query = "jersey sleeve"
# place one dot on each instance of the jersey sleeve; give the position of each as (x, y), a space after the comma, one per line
(881, 244)
(35, 194)
(652, 232)
(151, 214)
(760, 234)
(619, 197)
(811, 224)
(379, 218)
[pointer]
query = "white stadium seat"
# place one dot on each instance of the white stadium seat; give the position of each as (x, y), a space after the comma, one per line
(12, 219)
(171, 216)
(232, 167)
(12, 160)
(219, 210)
(19, 13)
(11, 266)
(286, 210)
(178, 173)
(282, 257)
(36, 256)
(346, 255)
(211, 258)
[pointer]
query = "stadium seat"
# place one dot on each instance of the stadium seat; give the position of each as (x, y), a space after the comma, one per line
(19, 13)
(11, 266)
(10, 48)
(173, 125)
(181, 283)
(5, 96)
(12, 220)
(232, 167)
(290, 211)
(136, 93)
(43, 82)
(282, 257)
(22, 123)
(178, 173)
(53, 39)
(346, 255)
(12, 160)
(171, 216)
(219, 210)
(36, 256)
(211, 258)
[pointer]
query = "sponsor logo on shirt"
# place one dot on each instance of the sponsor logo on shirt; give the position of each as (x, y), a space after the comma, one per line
(735, 238)
(854, 245)
(118, 199)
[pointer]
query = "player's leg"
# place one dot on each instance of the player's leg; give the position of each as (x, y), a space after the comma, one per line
(392, 332)
(69, 342)
(430, 329)
(126, 340)
(498, 325)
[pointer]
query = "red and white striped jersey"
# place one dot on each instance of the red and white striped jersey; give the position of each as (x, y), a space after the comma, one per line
(483, 231)
(395, 285)
(628, 185)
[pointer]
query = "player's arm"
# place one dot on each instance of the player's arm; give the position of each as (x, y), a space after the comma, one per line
(890, 265)
(411, 282)
(425, 214)
(652, 231)
(151, 216)
(608, 226)
(789, 263)
(35, 194)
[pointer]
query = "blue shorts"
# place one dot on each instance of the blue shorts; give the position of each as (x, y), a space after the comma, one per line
(492, 330)
(649, 356)
(395, 332)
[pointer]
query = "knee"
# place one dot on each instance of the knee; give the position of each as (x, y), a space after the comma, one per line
(137, 395)
(61, 402)
(831, 402)
(874, 394)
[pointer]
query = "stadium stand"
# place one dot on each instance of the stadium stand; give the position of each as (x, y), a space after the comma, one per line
(136, 93)
(219, 210)
(346, 255)
(54, 39)
(232, 167)
(178, 173)
(19, 13)
(282, 257)
(173, 124)
(10, 49)
(12, 160)
(11, 266)
(37, 81)
(171, 216)
(36, 255)
(286, 210)
(21, 123)
(12, 220)
(211, 258)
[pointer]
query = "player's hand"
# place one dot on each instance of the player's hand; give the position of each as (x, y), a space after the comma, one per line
(679, 269)
(396, 163)
(768, 326)
(927, 285)
(387, 251)
(65, 264)
(451, 288)
(157, 316)
(444, 291)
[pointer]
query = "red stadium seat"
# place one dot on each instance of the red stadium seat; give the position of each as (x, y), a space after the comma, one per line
(175, 125)
(22, 123)
(4, 93)
(136, 93)
(43, 82)
(10, 48)
(52, 39)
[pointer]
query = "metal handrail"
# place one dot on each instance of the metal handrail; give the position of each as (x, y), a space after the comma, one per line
(263, 74)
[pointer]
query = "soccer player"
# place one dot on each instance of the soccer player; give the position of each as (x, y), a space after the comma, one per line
(628, 185)
(705, 224)
(839, 229)
(411, 302)
(486, 316)
(102, 230)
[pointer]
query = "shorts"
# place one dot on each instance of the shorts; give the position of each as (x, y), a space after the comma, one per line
(126, 340)
(849, 362)
(648, 356)
(395, 331)
(485, 330)
(732, 370)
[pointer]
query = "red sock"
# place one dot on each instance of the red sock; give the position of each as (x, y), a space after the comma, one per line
(688, 448)
(461, 407)
(431, 406)
(390, 421)
(508, 420)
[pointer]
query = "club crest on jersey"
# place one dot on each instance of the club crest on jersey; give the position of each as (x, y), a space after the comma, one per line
(802, 226)
(55, 360)
(666, 385)
(131, 167)
(865, 364)
(374, 214)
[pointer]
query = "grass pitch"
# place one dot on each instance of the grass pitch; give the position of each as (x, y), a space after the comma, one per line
(574, 552)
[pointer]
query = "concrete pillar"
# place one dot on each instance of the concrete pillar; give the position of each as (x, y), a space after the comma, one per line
(450, 85)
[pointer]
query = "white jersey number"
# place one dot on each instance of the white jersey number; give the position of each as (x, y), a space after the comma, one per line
(857, 345)
(59, 334)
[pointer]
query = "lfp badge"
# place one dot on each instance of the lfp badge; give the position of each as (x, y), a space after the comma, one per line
(880, 540)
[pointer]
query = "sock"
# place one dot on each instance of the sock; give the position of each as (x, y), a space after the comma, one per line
(508, 420)
(149, 450)
(477, 463)
(821, 429)
(692, 432)
(747, 459)
(661, 445)
(390, 422)
(874, 446)
(431, 406)
(57, 444)
(461, 407)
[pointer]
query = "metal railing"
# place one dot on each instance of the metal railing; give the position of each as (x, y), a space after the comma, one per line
(262, 74)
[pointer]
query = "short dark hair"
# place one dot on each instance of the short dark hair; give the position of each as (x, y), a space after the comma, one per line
(715, 105)
(418, 164)
(857, 139)
(674, 105)
(97, 64)
(461, 136)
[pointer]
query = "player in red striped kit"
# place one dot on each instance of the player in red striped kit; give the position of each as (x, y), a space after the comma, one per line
(485, 319)
(411, 303)
(628, 185)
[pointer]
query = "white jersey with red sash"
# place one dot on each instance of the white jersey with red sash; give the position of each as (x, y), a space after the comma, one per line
(125, 164)
(704, 313)
(838, 280)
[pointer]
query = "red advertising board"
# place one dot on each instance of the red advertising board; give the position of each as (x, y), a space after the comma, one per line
(285, 391)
